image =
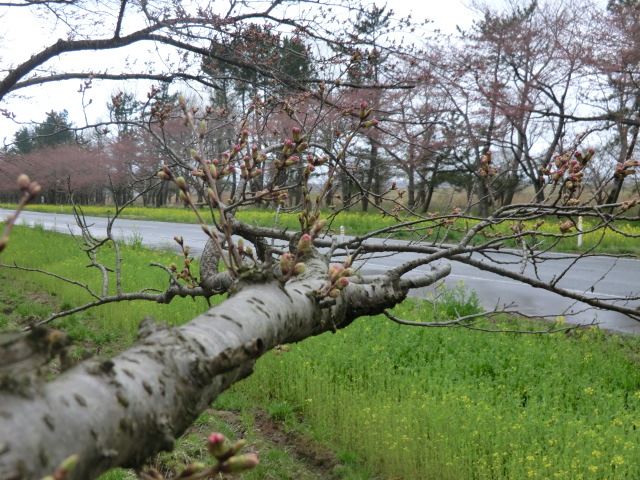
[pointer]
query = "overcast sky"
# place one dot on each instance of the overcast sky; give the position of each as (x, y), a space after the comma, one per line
(31, 36)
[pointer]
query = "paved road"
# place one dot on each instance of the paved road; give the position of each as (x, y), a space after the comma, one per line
(622, 275)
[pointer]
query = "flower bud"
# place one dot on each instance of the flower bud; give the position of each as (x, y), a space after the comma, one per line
(296, 134)
(216, 445)
(317, 227)
(23, 182)
(304, 245)
(203, 128)
(286, 262)
(335, 272)
(67, 465)
(179, 240)
(181, 183)
(335, 293)
(240, 463)
(35, 188)
(237, 446)
(342, 282)
(191, 469)
(163, 176)
(299, 269)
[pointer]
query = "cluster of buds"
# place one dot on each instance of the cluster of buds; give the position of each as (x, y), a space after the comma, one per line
(571, 165)
(310, 223)
(289, 266)
(338, 280)
(185, 273)
(313, 162)
(521, 227)
(227, 455)
(451, 220)
(487, 170)
(291, 148)
(29, 188)
(565, 227)
(245, 252)
(625, 169)
(278, 196)
(229, 460)
(363, 114)
(250, 167)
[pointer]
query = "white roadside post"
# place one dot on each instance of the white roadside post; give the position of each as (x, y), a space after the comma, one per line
(580, 230)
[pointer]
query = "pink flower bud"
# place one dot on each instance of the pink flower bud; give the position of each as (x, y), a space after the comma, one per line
(342, 282)
(304, 245)
(216, 445)
(335, 272)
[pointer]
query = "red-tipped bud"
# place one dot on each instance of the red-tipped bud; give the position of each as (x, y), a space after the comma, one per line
(304, 245)
(342, 282)
(286, 262)
(295, 133)
(317, 227)
(216, 445)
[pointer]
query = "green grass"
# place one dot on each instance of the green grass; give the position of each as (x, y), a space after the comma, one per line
(410, 403)
(57, 253)
(457, 404)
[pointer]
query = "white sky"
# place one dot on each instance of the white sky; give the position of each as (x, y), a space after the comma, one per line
(25, 35)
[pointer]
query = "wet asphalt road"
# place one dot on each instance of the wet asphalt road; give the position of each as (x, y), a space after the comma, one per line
(621, 276)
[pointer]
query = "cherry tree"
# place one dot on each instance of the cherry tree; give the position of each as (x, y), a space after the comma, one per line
(282, 286)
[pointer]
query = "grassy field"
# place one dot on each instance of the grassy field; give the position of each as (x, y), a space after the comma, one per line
(390, 402)
(360, 223)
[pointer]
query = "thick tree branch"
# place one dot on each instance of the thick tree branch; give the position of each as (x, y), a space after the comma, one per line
(121, 411)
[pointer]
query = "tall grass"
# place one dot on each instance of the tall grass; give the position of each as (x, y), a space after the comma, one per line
(458, 404)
